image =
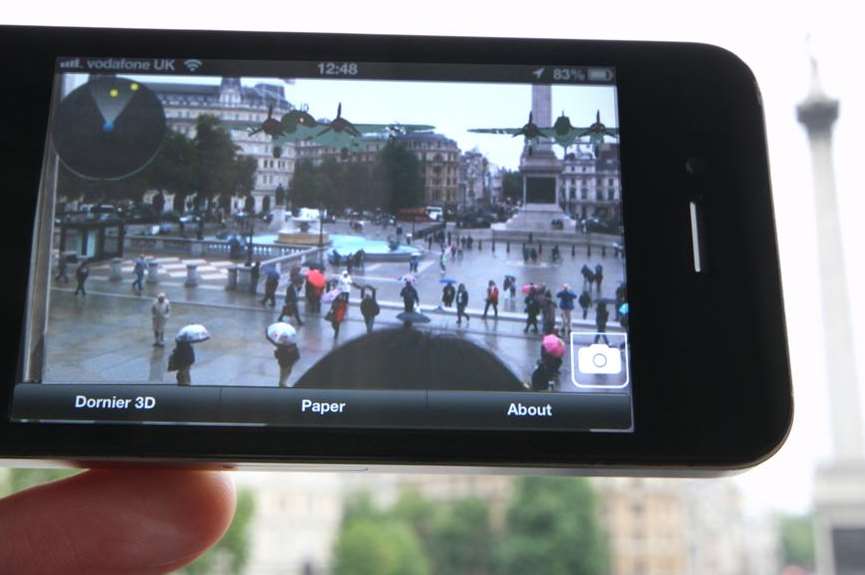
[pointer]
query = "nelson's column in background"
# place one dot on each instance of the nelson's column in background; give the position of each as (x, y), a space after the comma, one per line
(839, 495)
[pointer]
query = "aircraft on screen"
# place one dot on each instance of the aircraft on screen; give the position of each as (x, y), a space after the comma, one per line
(562, 132)
(340, 133)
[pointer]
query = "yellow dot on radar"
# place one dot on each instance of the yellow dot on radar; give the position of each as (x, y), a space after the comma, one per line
(133, 87)
(113, 92)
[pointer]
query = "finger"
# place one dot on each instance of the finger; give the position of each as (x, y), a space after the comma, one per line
(119, 522)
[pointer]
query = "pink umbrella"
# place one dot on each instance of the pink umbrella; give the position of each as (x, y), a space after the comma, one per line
(315, 278)
(527, 288)
(553, 345)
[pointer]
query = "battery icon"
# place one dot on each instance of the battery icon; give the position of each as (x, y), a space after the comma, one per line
(601, 75)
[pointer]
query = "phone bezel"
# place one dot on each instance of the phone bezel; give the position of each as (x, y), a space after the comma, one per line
(717, 400)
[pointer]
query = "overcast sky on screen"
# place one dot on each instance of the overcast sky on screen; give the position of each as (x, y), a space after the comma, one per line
(769, 40)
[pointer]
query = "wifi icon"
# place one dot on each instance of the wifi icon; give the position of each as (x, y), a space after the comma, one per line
(192, 65)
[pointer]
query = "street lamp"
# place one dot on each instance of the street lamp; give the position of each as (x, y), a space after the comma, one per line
(321, 225)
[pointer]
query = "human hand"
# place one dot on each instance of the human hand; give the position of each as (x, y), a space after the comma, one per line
(130, 522)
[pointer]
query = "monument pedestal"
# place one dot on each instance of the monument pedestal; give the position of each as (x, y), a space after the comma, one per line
(839, 518)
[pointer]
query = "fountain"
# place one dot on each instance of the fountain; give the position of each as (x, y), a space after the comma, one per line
(301, 230)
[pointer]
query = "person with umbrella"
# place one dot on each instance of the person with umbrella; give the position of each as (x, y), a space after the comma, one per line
(462, 303)
(448, 293)
(566, 304)
(337, 312)
(160, 311)
(182, 356)
(284, 337)
(369, 307)
(549, 364)
(492, 299)
(315, 282)
(533, 308)
(409, 296)
(271, 283)
(81, 274)
(290, 307)
(601, 317)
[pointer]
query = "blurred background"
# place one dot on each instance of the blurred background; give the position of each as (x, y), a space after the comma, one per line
(759, 522)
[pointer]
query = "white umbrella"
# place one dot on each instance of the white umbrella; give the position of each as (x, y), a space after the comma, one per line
(410, 278)
(193, 333)
(281, 333)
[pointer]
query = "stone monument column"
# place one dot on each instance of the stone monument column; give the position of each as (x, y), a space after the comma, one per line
(839, 495)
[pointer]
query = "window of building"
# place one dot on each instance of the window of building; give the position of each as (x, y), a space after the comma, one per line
(611, 194)
(584, 194)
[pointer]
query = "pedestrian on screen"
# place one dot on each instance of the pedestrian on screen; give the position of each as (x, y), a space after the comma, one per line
(181, 359)
(448, 294)
(409, 297)
(548, 313)
(492, 299)
(138, 270)
(290, 307)
(81, 274)
(566, 305)
(160, 311)
(286, 356)
(585, 302)
(601, 317)
(587, 277)
(462, 303)
(270, 285)
(599, 276)
(369, 308)
(533, 308)
(337, 312)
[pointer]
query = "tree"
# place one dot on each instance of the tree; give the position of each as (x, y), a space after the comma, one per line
(552, 529)
(232, 551)
(797, 540)
(462, 539)
(367, 546)
(217, 166)
(174, 169)
(396, 179)
(512, 187)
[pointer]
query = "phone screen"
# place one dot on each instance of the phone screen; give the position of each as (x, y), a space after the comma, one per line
(346, 244)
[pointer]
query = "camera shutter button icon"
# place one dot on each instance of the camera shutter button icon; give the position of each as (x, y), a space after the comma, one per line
(599, 358)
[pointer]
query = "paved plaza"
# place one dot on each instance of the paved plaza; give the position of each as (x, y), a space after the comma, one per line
(106, 336)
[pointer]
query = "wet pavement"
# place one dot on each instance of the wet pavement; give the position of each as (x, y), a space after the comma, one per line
(107, 338)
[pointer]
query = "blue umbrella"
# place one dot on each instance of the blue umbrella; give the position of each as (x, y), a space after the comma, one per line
(447, 281)
(624, 309)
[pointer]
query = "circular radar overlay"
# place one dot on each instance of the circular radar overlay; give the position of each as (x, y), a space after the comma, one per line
(109, 128)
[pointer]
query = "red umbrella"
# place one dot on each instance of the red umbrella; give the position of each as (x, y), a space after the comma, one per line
(553, 345)
(315, 279)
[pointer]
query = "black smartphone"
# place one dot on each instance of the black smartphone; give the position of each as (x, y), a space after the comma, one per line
(255, 248)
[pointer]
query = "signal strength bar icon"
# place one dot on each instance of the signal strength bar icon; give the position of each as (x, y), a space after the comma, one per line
(192, 64)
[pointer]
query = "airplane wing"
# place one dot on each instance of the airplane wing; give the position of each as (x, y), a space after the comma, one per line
(389, 128)
(333, 139)
(511, 131)
(300, 133)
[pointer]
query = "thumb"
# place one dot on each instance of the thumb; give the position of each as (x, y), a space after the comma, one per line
(118, 522)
